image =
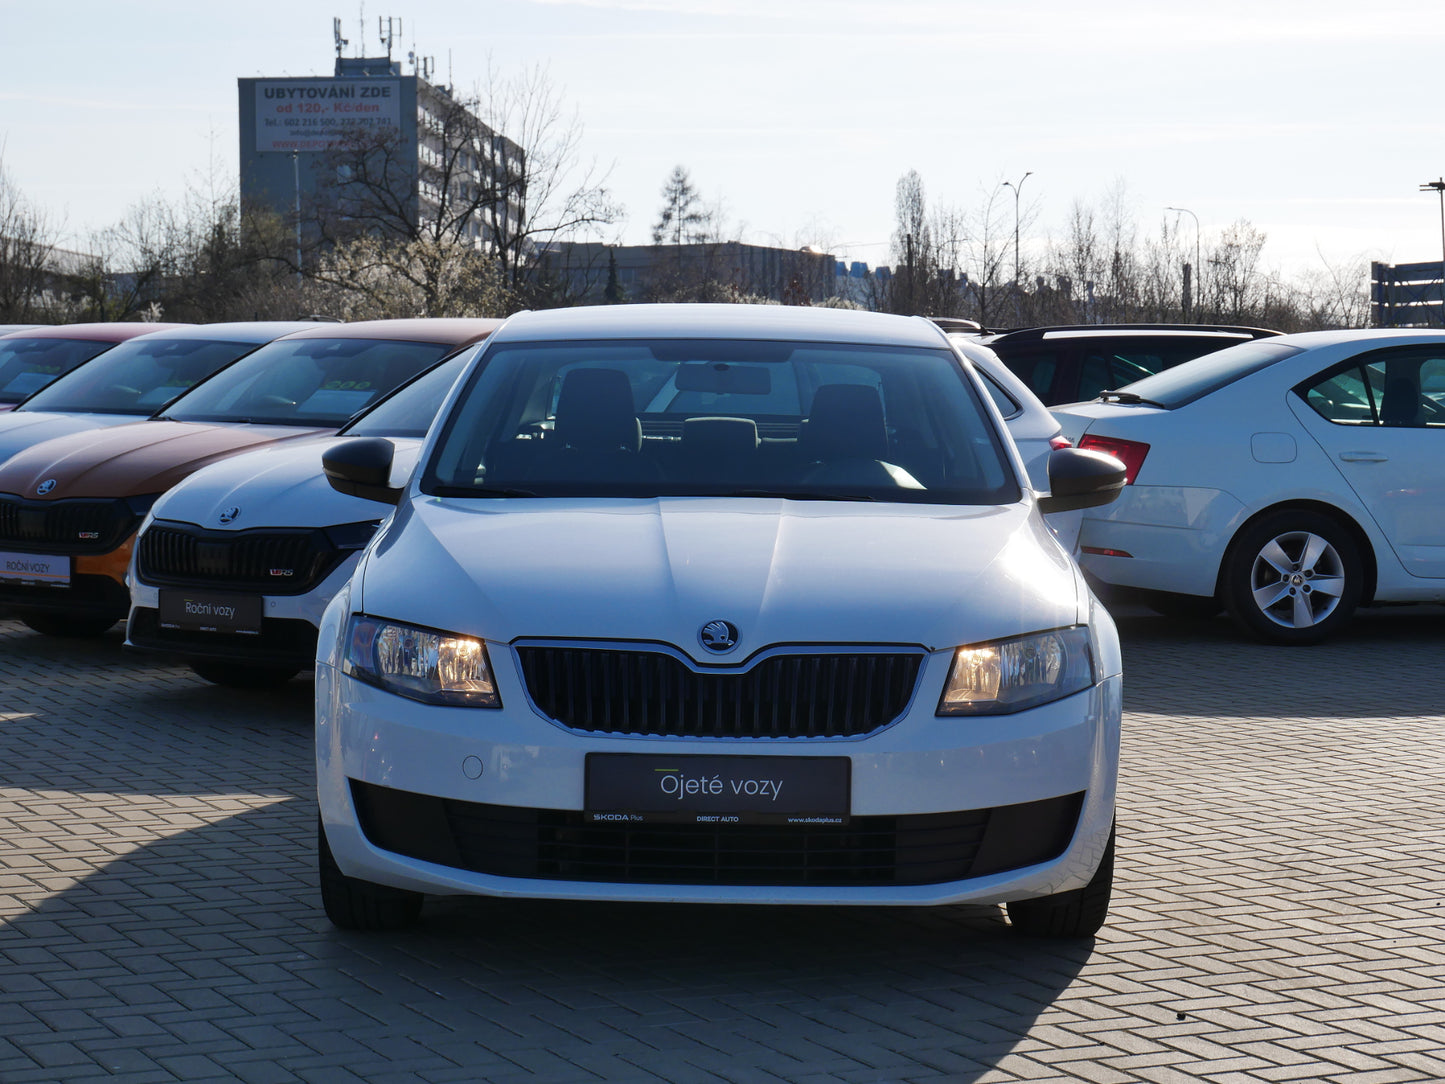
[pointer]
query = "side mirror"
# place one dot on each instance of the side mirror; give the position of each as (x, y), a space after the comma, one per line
(362, 468)
(1081, 479)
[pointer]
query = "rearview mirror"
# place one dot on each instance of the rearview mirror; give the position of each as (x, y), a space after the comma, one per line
(362, 468)
(719, 378)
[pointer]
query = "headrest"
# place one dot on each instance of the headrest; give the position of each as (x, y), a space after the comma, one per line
(846, 423)
(595, 411)
(720, 438)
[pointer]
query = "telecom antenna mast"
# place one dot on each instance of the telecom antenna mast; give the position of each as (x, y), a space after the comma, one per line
(341, 42)
(389, 30)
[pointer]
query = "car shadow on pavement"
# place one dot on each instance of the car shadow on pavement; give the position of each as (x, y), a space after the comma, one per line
(205, 954)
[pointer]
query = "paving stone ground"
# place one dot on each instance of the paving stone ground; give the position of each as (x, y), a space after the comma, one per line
(1279, 912)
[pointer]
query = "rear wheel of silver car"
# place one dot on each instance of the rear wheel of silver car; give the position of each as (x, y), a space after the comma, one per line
(352, 904)
(239, 675)
(1077, 913)
(67, 625)
(1293, 577)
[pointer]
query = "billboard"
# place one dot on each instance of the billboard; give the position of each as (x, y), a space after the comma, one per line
(319, 114)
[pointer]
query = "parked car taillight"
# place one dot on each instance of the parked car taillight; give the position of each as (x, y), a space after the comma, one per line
(1060, 441)
(1129, 452)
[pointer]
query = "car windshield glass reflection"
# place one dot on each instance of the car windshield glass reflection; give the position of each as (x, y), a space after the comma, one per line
(314, 382)
(729, 418)
(410, 412)
(27, 365)
(137, 377)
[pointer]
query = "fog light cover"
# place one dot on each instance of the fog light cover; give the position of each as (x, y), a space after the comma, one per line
(1003, 676)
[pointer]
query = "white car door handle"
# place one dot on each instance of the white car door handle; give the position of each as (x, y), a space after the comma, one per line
(1364, 457)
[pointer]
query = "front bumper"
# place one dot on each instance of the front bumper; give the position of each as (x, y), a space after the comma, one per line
(96, 588)
(392, 772)
(288, 625)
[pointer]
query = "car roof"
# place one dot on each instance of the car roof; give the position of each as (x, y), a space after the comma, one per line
(107, 333)
(1099, 331)
(242, 331)
(700, 321)
(453, 331)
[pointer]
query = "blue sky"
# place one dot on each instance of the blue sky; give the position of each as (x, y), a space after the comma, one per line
(1316, 121)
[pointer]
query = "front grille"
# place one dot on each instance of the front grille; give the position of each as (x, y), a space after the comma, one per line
(554, 844)
(79, 525)
(276, 562)
(781, 696)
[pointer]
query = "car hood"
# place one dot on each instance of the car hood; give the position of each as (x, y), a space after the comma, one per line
(21, 429)
(781, 571)
(130, 460)
(278, 486)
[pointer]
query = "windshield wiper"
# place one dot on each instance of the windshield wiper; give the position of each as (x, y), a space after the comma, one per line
(1127, 397)
(785, 495)
(480, 491)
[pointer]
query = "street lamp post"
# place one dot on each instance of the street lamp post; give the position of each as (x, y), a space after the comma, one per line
(1018, 307)
(1439, 186)
(296, 182)
(1188, 306)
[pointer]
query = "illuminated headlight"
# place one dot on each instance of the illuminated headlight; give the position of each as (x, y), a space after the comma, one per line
(1004, 676)
(422, 664)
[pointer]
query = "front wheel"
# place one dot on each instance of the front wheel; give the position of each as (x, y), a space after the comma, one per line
(1078, 913)
(1293, 577)
(353, 904)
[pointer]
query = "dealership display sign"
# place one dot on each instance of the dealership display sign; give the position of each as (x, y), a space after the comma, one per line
(320, 114)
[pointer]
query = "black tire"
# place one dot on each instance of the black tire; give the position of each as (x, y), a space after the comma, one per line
(1078, 913)
(67, 625)
(1307, 563)
(1184, 607)
(240, 675)
(352, 904)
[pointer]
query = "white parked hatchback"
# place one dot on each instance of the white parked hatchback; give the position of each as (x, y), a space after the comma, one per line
(1287, 480)
(718, 604)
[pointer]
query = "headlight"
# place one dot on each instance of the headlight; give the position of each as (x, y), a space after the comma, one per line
(1004, 676)
(422, 664)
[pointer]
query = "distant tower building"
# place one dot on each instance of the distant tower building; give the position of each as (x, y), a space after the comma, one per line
(372, 151)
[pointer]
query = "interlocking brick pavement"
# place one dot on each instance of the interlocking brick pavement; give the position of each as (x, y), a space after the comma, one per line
(1279, 913)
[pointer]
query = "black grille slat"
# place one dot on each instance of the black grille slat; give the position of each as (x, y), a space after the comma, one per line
(278, 562)
(602, 690)
(73, 525)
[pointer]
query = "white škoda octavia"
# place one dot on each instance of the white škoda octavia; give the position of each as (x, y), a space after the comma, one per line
(719, 604)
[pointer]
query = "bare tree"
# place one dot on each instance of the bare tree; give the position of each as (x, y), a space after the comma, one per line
(553, 194)
(26, 251)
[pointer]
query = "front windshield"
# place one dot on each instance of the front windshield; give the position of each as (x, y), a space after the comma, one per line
(802, 420)
(410, 412)
(311, 381)
(137, 377)
(27, 365)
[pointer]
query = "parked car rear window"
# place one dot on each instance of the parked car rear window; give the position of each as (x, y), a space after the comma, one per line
(718, 417)
(1195, 379)
(138, 377)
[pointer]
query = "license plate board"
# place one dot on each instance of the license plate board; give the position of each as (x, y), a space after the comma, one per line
(210, 611)
(646, 788)
(35, 568)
